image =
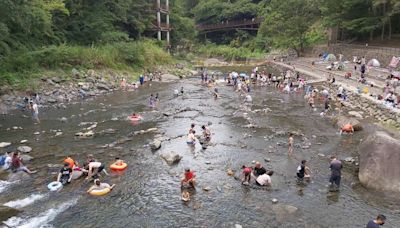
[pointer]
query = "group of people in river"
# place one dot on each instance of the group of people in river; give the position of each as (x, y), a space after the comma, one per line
(289, 81)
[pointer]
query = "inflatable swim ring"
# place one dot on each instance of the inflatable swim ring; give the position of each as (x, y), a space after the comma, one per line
(135, 118)
(100, 192)
(54, 186)
(115, 166)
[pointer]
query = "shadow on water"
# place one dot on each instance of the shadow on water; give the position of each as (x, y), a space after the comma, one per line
(148, 193)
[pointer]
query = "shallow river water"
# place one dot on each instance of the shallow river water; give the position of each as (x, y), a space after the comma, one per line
(147, 194)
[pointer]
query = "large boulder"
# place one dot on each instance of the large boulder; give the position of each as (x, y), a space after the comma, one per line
(7, 212)
(379, 162)
(155, 145)
(343, 120)
(171, 157)
(24, 149)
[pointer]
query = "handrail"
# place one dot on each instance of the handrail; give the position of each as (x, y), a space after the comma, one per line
(230, 24)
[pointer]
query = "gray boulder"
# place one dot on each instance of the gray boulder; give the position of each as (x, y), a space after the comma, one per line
(155, 145)
(343, 120)
(171, 157)
(24, 149)
(26, 158)
(379, 162)
(101, 86)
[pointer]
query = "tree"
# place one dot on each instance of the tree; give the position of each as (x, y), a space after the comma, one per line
(290, 23)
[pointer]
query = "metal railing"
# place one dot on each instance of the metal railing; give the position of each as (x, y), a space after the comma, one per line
(230, 24)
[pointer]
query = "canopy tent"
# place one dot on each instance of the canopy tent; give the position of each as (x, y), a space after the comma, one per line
(374, 63)
(330, 57)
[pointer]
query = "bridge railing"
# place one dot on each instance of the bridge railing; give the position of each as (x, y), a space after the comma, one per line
(230, 24)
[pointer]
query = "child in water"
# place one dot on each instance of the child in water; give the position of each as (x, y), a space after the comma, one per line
(185, 196)
(118, 161)
(290, 143)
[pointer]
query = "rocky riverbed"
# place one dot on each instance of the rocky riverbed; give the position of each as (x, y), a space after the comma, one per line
(58, 91)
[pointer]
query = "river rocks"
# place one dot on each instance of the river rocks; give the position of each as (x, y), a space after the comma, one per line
(238, 226)
(144, 131)
(26, 157)
(379, 158)
(101, 86)
(23, 141)
(343, 120)
(169, 77)
(4, 144)
(155, 145)
(274, 200)
(76, 174)
(24, 149)
(206, 188)
(356, 114)
(63, 119)
(7, 212)
(57, 79)
(85, 134)
(171, 157)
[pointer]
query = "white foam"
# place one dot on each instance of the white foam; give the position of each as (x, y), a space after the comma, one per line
(4, 185)
(43, 219)
(20, 203)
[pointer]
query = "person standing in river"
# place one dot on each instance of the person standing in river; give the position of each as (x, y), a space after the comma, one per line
(35, 111)
(336, 173)
(290, 144)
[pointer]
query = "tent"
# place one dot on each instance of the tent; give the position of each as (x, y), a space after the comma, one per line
(330, 57)
(374, 63)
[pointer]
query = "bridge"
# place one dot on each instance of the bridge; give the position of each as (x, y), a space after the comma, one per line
(247, 24)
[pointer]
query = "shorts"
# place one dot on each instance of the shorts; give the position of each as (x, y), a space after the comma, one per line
(335, 180)
(191, 142)
(35, 115)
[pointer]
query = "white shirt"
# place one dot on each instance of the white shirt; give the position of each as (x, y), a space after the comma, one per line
(264, 179)
(35, 108)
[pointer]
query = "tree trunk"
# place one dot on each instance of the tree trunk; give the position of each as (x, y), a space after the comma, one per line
(383, 21)
(390, 27)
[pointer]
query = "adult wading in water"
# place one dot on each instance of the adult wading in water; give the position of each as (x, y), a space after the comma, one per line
(336, 173)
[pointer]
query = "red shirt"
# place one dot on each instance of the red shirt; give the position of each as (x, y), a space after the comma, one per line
(189, 175)
(247, 170)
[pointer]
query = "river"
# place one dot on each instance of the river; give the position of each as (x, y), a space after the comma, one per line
(147, 194)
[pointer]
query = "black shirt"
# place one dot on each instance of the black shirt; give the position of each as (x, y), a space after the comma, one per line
(65, 172)
(259, 171)
(300, 171)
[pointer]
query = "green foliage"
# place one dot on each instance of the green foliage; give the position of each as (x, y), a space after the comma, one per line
(290, 24)
(227, 52)
(22, 66)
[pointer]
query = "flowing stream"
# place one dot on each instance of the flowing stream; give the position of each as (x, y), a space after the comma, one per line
(147, 194)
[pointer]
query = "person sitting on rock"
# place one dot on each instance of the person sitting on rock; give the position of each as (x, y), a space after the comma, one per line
(189, 179)
(17, 165)
(64, 176)
(6, 160)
